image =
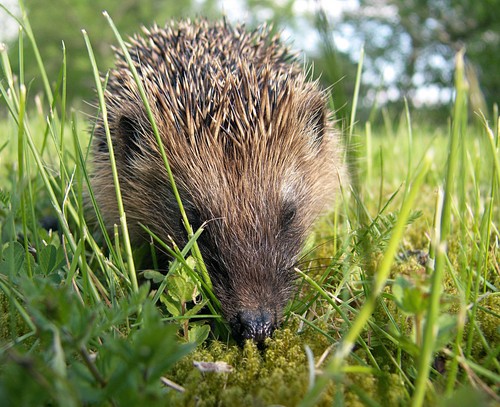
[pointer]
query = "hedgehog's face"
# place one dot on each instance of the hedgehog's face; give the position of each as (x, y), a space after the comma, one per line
(250, 252)
(258, 204)
(257, 214)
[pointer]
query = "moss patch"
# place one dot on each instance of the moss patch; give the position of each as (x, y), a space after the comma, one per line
(278, 375)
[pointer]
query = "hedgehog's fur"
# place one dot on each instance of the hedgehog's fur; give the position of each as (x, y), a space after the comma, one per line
(251, 146)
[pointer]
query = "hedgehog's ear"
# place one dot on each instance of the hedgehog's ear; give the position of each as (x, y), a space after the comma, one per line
(130, 135)
(317, 123)
(100, 141)
(314, 115)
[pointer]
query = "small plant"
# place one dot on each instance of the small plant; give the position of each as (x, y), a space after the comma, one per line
(77, 354)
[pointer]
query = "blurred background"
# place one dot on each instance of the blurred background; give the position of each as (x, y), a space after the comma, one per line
(409, 45)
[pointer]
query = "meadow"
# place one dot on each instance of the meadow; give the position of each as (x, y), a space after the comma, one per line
(397, 295)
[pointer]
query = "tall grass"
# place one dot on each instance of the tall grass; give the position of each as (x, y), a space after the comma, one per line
(77, 328)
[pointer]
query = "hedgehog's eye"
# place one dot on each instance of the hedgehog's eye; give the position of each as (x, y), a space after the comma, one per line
(288, 216)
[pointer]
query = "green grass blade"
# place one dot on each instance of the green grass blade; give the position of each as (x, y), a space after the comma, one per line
(431, 328)
(334, 368)
(123, 47)
(121, 211)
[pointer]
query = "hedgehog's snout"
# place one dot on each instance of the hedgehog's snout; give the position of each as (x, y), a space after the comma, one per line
(256, 325)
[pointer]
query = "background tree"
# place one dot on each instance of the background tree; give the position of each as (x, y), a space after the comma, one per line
(411, 44)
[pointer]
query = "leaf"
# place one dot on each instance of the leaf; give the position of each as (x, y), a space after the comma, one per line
(154, 275)
(173, 305)
(58, 359)
(447, 327)
(198, 334)
(195, 309)
(410, 298)
(14, 259)
(181, 286)
(140, 360)
(51, 259)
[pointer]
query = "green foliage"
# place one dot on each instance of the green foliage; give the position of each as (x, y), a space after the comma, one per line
(410, 296)
(74, 330)
(182, 291)
(75, 353)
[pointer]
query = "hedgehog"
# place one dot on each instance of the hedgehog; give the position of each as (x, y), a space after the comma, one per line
(252, 148)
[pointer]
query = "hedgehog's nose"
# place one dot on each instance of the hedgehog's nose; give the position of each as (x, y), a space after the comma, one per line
(256, 325)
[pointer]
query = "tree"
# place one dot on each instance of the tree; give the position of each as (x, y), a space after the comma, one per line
(416, 41)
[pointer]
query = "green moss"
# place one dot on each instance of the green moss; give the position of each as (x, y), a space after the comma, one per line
(488, 320)
(278, 375)
(11, 322)
(259, 377)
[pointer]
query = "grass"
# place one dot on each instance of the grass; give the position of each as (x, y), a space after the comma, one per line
(397, 300)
